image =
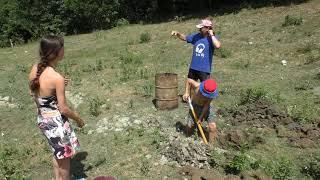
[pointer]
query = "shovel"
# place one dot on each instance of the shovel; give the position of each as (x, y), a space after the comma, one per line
(196, 121)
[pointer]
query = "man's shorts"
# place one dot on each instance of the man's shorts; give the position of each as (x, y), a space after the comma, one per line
(198, 75)
(210, 117)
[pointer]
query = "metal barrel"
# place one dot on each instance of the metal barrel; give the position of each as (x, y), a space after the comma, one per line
(166, 91)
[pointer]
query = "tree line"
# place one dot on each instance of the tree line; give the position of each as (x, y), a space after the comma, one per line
(25, 20)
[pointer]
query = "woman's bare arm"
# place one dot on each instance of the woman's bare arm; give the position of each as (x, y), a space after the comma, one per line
(63, 107)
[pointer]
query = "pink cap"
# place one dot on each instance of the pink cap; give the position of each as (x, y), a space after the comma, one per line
(204, 23)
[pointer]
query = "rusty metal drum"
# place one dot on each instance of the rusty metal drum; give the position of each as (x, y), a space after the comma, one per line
(166, 91)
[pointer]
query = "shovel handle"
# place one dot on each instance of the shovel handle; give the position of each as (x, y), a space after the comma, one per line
(197, 122)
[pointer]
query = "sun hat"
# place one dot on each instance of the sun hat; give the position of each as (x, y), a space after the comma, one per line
(208, 88)
(204, 23)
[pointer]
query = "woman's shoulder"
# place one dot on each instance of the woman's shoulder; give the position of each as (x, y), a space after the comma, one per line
(54, 74)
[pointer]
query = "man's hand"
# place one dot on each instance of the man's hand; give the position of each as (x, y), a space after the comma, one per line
(174, 33)
(211, 32)
(185, 97)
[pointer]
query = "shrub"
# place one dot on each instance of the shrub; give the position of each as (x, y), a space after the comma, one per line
(145, 37)
(281, 168)
(251, 95)
(122, 22)
(11, 158)
(95, 106)
(313, 168)
(146, 90)
(239, 163)
(217, 158)
(145, 167)
(292, 21)
(317, 76)
(312, 59)
(303, 112)
(130, 58)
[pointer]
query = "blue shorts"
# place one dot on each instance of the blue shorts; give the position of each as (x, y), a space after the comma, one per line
(210, 117)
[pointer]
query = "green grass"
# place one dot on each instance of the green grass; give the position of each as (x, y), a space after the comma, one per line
(115, 69)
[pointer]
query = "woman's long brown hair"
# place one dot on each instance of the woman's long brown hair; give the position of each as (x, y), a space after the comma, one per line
(50, 47)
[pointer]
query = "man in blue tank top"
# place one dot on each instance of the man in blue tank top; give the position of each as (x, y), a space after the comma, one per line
(204, 42)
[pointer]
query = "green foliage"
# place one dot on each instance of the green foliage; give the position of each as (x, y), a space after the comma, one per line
(292, 21)
(317, 76)
(241, 162)
(86, 16)
(24, 20)
(217, 158)
(95, 106)
(306, 49)
(97, 66)
(122, 22)
(21, 68)
(11, 159)
(280, 169)
(251, 95)
(145, 167)
(137, 10)
(304, 112)
(146, 90)
(145, 37)
(313, 168)
(131, 67)
(157, 137)
(312, 58)
(129, 58)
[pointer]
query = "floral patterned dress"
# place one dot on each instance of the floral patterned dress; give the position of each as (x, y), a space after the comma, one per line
(56, 128)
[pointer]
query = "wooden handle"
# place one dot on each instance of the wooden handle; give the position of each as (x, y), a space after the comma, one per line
(197, 122)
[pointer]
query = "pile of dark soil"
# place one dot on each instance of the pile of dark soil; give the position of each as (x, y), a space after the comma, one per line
(265, 118)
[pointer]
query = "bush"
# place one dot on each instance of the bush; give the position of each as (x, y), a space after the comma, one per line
(129, 58)
(217, 159)
(145, 37)
(303, 112)
(292, 21)
(95, 106)
(11, 158)
(281, 168)
(313, 168)
(86, 16)
(239, 163)
(137, 10)
(122, 22)
(252, 95)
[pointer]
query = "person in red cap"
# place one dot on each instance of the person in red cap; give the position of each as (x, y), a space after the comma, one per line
(201, 97)
(204, 42)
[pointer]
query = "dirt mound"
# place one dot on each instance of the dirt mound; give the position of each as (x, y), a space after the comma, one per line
(186, 151)
(239, 138)
(265, 117)
(259, 114)
(199, 174)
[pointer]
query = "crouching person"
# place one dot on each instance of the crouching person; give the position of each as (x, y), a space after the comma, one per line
(201, 97)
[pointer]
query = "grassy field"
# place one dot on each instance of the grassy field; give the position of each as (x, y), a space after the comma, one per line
(112, 87)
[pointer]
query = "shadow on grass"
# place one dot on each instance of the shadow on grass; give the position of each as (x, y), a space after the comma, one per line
(77, 168)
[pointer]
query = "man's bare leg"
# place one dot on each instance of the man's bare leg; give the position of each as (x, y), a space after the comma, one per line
(212, 132)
